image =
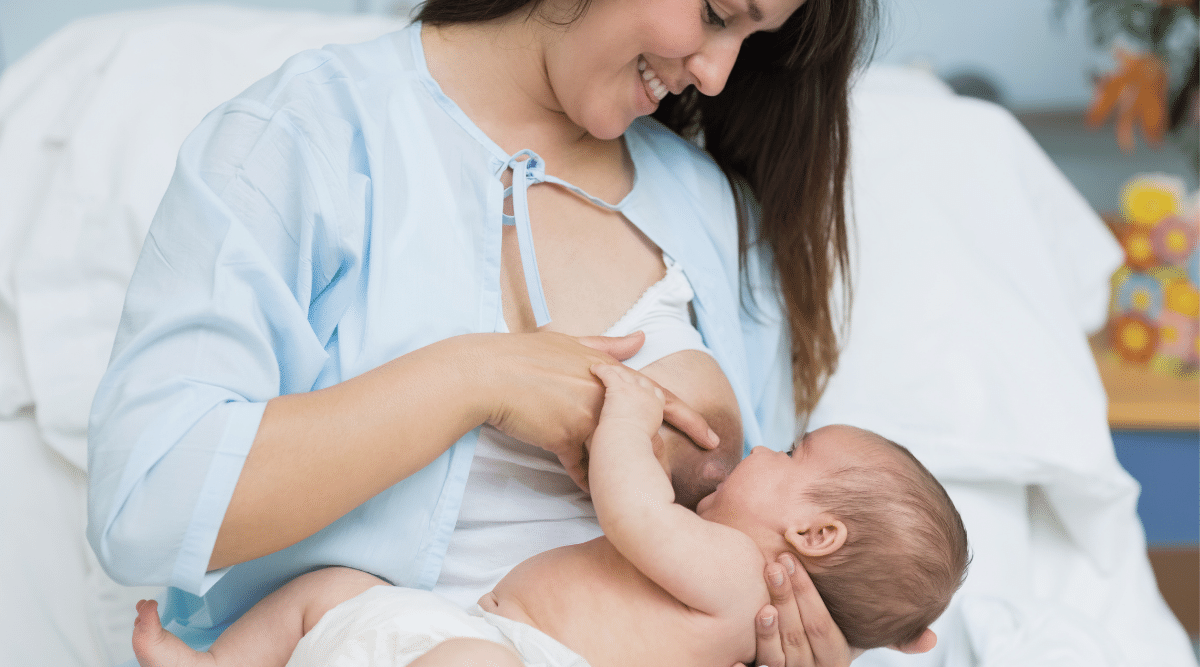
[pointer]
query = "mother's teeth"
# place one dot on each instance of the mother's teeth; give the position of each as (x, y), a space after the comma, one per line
(652, 81)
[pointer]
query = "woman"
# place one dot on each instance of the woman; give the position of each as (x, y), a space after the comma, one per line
(315, 367)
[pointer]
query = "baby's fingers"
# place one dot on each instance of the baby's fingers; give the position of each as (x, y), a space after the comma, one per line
(611, 374)
(614, 375)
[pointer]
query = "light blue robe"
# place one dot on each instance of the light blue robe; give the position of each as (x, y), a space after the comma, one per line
(338, 214)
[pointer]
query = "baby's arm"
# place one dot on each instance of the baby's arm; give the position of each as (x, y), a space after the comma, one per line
(705, 565)
(266, 635)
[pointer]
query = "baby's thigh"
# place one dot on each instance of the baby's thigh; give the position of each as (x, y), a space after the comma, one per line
(315, 593)
(468, 652)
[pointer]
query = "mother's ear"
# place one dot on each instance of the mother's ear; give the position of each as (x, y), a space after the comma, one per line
(819, 535)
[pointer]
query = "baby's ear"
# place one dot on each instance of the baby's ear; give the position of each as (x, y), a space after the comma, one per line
(819, 535)
(922, 644)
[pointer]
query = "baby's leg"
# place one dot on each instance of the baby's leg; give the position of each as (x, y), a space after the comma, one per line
(468, 652)
(155, 647)
(266, 635)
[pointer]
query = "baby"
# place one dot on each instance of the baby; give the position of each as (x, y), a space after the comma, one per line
(664, 586)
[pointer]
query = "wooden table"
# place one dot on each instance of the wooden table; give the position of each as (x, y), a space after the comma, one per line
(1139, 398)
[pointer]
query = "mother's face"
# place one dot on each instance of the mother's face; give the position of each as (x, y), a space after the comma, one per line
(622, 56)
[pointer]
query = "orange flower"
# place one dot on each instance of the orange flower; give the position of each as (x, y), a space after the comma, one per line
(1137, 90)
(1139, 250)
(1133, 337)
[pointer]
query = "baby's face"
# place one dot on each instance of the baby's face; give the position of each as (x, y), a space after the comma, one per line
(767, 483)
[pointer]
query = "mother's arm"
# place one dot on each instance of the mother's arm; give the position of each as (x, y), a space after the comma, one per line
(318, 455)
(795, 630)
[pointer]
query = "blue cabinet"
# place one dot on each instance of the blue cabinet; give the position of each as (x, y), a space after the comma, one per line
(1167, 464)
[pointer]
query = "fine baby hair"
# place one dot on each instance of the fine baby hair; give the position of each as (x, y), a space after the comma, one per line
(905, 552)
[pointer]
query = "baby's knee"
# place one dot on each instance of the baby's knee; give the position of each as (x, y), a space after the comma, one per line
(468, 652)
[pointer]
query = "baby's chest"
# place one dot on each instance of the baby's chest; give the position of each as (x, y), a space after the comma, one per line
(614, 616)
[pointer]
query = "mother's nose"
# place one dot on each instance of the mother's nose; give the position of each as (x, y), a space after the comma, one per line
(709, 67)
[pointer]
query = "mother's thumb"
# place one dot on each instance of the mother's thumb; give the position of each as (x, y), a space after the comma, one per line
(618, 348)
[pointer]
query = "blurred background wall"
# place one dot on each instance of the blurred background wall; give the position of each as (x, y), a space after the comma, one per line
(1037, 65)
(1036, 62)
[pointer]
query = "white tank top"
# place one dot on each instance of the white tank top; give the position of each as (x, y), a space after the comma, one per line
(518, 500)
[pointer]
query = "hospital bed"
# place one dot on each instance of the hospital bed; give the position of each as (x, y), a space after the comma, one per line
(978, 271)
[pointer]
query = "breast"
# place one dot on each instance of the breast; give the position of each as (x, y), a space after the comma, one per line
(697, 380)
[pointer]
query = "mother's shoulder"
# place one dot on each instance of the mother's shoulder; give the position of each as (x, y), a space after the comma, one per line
(681, 185)
(336, 73)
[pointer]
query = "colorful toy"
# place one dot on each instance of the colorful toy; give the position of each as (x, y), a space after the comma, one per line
(1156, 296)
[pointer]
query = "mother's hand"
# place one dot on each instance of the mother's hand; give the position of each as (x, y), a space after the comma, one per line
(796, 630)
(544, 392)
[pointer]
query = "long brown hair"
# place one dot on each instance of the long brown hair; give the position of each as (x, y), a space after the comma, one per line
(780, 127)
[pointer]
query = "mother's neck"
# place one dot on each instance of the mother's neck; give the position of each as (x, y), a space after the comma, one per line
(496, 72)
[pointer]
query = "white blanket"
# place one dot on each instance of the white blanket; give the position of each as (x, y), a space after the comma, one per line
(978, 272)
(978, 269)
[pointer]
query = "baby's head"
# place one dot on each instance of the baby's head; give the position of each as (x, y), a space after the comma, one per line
(875, 530)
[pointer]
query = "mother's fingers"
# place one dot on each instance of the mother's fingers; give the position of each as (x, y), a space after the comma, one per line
(685, 418)
(576, 464)
(676, 413)
(826, 642)
(620, 348)
(768, 647)
(792, 624)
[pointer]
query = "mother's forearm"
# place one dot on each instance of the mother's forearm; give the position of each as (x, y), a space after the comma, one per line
(318, 455)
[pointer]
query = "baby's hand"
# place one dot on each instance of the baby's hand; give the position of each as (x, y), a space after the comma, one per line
(630, 397)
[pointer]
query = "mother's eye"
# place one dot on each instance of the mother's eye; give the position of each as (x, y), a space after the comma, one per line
(711, 17)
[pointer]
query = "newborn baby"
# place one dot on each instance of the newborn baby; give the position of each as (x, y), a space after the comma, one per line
(663, 586)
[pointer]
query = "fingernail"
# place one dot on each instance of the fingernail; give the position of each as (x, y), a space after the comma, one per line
(789, 563)
(712, 436)
(777, 578)
(766, 621)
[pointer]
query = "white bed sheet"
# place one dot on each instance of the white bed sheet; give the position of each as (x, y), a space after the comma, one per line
(57, 607)
(978, 271)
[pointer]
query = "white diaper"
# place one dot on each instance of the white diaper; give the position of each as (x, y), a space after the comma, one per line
(388, 626)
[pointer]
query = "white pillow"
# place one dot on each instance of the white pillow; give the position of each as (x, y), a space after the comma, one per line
(92, 121)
